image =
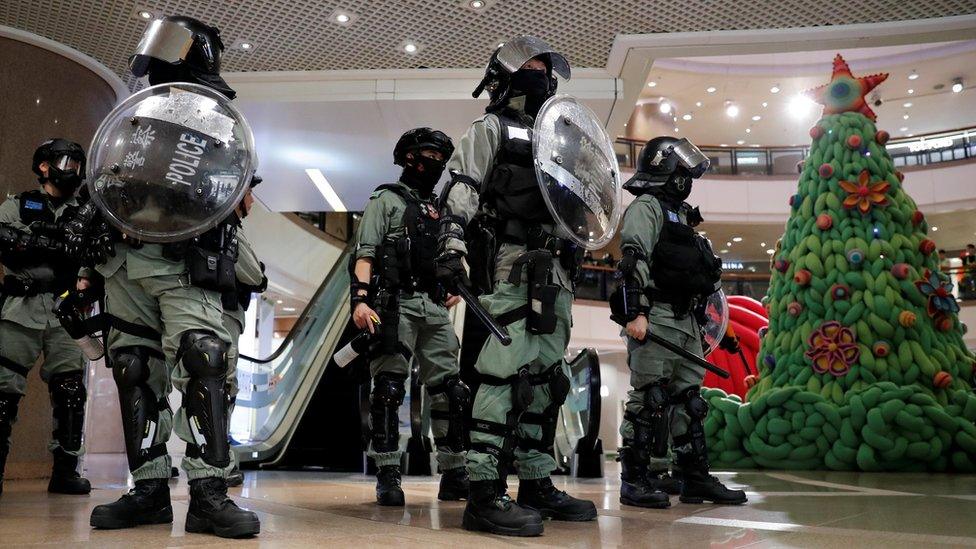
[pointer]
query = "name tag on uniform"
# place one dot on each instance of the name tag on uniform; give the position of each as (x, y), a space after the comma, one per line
(673, 217)
(514, 132)
(33, 205)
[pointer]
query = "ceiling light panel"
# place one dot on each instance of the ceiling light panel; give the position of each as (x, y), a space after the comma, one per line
(291, 35)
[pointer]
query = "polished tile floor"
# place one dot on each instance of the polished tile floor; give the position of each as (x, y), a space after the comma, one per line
(814, 509)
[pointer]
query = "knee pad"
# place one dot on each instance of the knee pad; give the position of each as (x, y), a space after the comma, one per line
(652, 424)
(695, 405)
(68, 396)
(204, 355)
(388, 394)
(139, 405)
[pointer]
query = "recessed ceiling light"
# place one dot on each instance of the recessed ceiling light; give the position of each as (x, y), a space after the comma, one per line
(740, 142)
(342, 18)
(723, 251)
(246, 46)
(903, 129)
(674, 118)
(736, 239)
(698, 103)
(410, 47)
(145, 14)
(765, 104)
(913, 75)
(770, 251)
(732, 110)
(288, 309)
(728, 244)
(754, 145)
(756, 118)
(956, 85)
(651, 84)
(904, 116)
(664, 107)
(724, 145)
(763, 244)
(676, 130)
(686, 116)
(476, 4)
(910, 91)
(748, 130)
(911, 135)
(280, 302)
(907, 104)
(774, 89)
(711, 89)
(37, 101)
(934, 228)
(800, 106)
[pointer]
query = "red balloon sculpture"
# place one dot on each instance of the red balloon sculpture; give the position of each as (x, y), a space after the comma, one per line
(746, 317)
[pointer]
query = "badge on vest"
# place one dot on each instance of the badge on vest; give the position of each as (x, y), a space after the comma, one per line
(515, 132)
(33, 205)
(672, 216)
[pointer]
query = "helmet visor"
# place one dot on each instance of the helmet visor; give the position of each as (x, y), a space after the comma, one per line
(691, 158)
(514, 53)
(65, 163)
(163, 40)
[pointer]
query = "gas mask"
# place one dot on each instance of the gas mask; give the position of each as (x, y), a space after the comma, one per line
(62, 172)
(422, 181)
(534, 85)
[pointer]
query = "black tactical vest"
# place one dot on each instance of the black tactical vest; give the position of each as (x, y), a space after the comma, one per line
(683, 266)
(511, 188)
(406, 262)
(43, 270)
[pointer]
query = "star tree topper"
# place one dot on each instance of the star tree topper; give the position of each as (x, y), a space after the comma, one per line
(845, 93)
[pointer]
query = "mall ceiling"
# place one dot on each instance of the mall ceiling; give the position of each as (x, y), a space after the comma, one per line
(304, 35)
(915, 99)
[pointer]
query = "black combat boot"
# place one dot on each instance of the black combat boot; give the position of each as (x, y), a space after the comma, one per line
(8, 413)
(541, 495)
(64, 476)
(489, 509)
(454, 485)
(697, 486)
(212, 511)
(635, 489)
(664, 481)
(388, 491)
(147, 503)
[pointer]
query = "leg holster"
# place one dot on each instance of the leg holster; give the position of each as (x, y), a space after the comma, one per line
(691, 447)
(540, 312)
(205, 400)
(140, 407)
(522, 398)
(68, 396)
(558, 384)
(384, 407)
(652, 423)
(458, 403)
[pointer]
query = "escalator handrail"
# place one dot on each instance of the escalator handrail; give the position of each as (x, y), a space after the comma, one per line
(303, 318)
(593, 423)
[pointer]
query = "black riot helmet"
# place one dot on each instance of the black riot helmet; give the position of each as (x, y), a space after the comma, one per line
(508, 58)
(177, 48)
(66, 164)
(419, 139)
(665, 162)
(421, 172)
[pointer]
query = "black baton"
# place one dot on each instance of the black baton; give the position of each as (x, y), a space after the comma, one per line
(483, 315)
(687, 355)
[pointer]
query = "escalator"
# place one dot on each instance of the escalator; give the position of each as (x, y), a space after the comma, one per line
(298, 409)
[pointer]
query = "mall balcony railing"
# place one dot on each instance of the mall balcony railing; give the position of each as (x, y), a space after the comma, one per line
(923, 150)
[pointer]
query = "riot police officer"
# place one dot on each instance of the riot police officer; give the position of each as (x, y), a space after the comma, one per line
(37, 269)
(165, 299)
(250, 280)
(668, 270)
(394, 283)
(522, 385)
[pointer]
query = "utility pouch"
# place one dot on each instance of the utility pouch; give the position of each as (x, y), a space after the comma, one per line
(212, 267)
(541, 293)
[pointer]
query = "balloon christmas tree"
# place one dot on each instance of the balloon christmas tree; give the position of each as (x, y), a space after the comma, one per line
(863, 365)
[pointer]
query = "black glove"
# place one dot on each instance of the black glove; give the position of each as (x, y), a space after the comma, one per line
(450, 272)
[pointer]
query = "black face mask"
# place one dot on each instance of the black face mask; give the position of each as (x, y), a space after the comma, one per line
(534, 85)
(65, 181)
(678, 187)
(425, 181)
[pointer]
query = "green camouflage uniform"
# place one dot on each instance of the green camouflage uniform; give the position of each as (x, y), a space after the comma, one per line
(29, 329)
(649, 362)
(425, 327)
